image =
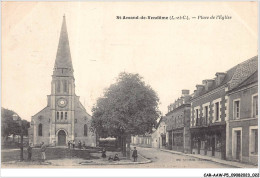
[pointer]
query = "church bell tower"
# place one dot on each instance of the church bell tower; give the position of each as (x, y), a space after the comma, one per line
(62, 93)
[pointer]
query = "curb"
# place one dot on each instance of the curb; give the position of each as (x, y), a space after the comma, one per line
(208, 159)
(21, 163)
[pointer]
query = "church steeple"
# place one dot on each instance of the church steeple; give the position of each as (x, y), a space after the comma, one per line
(63, 64)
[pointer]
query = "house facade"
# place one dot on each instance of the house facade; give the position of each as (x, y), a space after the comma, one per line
(209, 109)
(242, 123)
(178, 124)
(142, 140)
(159, 137)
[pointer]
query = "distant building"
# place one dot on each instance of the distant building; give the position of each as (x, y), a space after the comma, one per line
(209, 109)
(64, 118)
(142, 140)
(178, 123)
(159, 134)
(242, 123)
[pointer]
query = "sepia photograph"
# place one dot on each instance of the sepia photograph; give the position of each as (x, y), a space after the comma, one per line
(97, 85)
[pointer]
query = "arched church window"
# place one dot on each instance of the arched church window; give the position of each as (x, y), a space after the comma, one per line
(66, 115)
(85, 130)
(58, 116)
(40, 130)
(61, 115)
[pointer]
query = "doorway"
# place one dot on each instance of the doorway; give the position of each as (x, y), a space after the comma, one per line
(213, 145)
(238, 144)
(61, 138)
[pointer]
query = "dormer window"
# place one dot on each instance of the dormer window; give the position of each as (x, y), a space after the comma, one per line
(220, 77)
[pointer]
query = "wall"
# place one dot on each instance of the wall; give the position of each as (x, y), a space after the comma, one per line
(244, 122)
(43, 118)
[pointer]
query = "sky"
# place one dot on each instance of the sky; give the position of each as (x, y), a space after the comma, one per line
(170, 55)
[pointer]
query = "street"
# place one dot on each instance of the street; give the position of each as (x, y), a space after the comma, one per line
(160, 159)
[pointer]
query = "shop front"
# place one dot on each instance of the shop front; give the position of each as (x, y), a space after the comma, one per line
(209, 141)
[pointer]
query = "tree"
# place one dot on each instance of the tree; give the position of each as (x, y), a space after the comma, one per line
(11, 127)
(128, 107)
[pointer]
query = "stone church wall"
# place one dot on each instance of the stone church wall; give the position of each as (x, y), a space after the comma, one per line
(43, 117)
(82, 118)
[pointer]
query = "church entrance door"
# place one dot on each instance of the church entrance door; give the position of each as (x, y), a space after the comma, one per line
(61, 138)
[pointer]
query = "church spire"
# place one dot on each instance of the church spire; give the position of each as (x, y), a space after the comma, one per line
(63, 63)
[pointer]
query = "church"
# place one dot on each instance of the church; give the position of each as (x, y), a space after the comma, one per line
(64, 118)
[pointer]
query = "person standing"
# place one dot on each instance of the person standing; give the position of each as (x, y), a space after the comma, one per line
(84, 145)
(104, 153)
(134, 155)
(43, 149)
(79, 145)
(69, 144)
(29, 149)
(73, 144)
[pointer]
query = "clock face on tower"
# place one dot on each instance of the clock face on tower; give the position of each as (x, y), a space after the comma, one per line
(62, 102)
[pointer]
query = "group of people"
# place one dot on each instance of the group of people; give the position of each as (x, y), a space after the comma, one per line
(42, 151)
(116, 158)
(71, 144)
(110, 158)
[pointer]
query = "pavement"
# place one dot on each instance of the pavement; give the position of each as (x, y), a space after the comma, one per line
(147, 158)
(220, 161)
(78, 162)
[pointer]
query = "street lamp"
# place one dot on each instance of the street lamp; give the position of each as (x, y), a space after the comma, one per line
(18, 119)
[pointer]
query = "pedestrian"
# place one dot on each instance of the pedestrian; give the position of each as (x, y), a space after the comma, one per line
(79, 145)
(134, 155)
(116, 158)
(104, 153)
(68, 144)
(84, 145)
(73, 144)
(43, 149)
(29, 149)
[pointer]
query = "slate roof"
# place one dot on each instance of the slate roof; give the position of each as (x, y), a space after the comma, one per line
(234, 76)
(63, 57)
(250, 80)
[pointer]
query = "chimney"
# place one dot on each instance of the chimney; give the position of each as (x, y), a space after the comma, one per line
(185, 92)
(219, 77)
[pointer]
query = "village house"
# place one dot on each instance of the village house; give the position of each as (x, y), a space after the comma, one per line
(242, 123)
(159, 134)
(209, 111)
(142, 140)
(178, 117)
